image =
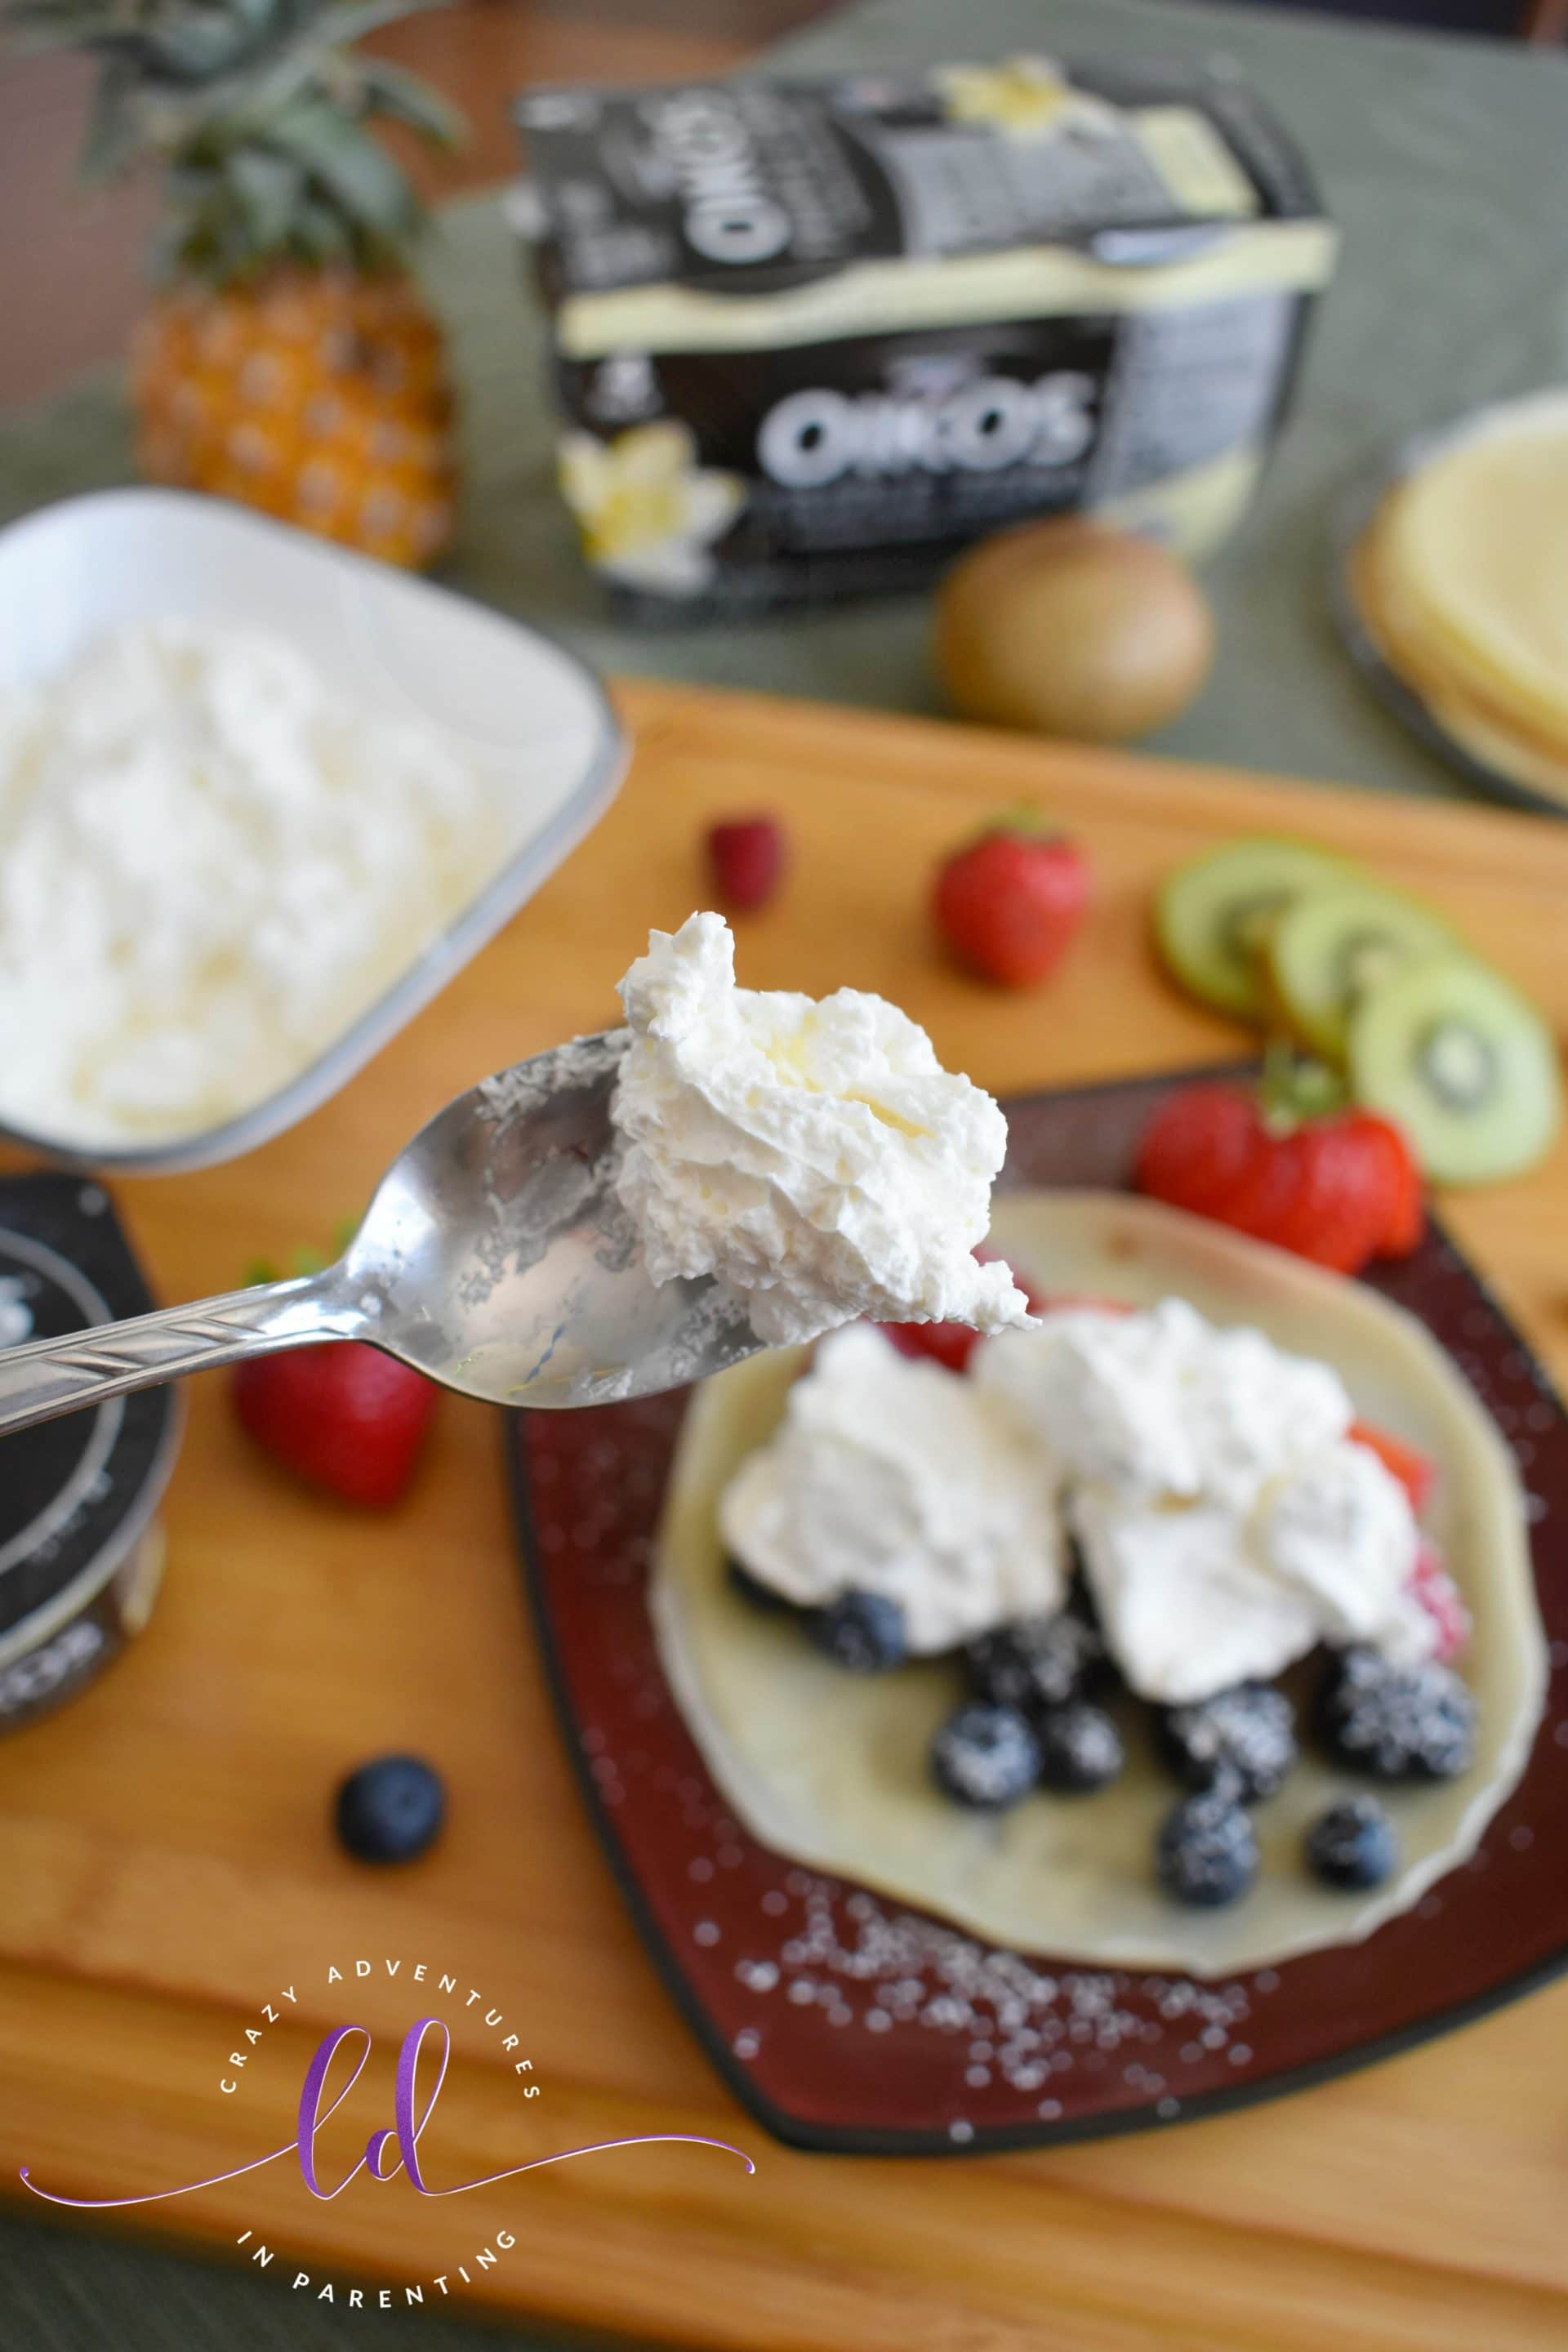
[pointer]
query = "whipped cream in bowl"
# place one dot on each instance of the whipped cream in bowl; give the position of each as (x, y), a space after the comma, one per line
(259, 799)
(811, 1155)
(213, 862)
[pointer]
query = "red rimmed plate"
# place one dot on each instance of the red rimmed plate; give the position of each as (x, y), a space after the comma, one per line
(844, 2023)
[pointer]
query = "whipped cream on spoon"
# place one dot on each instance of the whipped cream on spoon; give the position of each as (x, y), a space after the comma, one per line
(812, 1155)
(513, 1251)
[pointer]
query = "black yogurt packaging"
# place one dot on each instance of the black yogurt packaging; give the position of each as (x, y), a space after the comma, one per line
(80, 1550)
(808, 339)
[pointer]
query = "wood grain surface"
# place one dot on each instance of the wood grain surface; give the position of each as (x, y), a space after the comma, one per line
(165, 1855)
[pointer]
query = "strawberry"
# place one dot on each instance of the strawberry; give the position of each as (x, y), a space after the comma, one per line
(1009, 902)
(1416, 1472)
(1349, 1204)
(1433, 1588)
(1407, 1223)
(1287, 1165)
(344, 1417)
(1200, 1144)
(951, 1344)
(747, 857)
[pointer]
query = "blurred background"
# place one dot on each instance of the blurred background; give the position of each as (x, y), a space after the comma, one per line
(71, 286)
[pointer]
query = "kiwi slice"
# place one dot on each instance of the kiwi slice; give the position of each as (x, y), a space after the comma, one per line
(1466, 1066)
(1332, 947)
(1213, 915)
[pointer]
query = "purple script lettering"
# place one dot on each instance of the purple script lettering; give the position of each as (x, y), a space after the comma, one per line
(401, 2139)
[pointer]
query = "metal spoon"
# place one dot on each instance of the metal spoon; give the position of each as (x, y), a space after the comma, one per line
(496, 1257)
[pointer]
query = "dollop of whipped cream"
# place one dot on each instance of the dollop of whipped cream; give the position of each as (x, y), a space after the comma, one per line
(1338, 1528)
(888, 1474)
(1226, 1519)
(813, 1156)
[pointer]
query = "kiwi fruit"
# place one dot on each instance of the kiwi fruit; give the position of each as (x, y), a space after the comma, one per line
(1066, 628)
(1332, 947)
(1213, 915)
(1468, 1068)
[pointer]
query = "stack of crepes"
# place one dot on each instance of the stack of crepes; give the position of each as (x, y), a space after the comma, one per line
(1462, 580)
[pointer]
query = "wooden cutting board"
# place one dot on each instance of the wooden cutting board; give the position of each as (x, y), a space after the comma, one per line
(166, 1865)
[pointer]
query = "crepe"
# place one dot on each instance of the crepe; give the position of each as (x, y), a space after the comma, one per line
(830, 1768)
(1462, 582)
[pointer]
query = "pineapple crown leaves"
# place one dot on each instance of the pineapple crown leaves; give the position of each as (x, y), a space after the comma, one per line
(259, 111)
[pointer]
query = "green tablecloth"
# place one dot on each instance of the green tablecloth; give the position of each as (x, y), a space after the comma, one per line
(1446, 163)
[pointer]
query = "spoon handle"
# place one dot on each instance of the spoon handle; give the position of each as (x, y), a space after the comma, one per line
(46, 1377)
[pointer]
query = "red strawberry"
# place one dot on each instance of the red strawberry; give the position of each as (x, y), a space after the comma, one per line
(1199, 1145)
(953, 1344)
(344, 1417)
(1436, 1591)
(1416, 1472)
(1407, 1222)
(747, 858)
(1336, 1186)
(1349, 1197)
(1009, 902)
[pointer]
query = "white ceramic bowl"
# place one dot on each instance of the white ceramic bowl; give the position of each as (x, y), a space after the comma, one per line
(532, 719)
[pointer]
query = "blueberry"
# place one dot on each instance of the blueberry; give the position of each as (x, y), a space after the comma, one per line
(863, 1631)
(1035, 1662)
(390, 1810)
(1249, 1729)
(1080, 1748)
(752, 1589)
(1353, 1844)
(1205, 1854)
(986, 1757)
(1398, 1723)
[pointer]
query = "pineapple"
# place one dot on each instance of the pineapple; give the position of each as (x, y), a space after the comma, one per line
(290, 360)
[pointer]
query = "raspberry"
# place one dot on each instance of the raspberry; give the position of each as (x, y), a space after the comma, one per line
(747, 857)
(1435, 1590)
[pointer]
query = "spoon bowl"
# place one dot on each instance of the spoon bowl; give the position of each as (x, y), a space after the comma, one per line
(496, 1257)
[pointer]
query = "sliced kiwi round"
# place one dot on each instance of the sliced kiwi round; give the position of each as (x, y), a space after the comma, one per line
(1213, 915)
(1332, 947)
(1467, 1066)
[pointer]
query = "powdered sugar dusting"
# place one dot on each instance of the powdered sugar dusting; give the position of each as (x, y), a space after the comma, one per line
(1022, 2024)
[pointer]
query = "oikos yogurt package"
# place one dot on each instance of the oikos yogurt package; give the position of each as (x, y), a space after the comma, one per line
(810, 337)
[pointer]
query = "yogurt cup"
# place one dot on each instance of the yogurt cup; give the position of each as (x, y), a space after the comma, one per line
(81, 1553)
(811, 337)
